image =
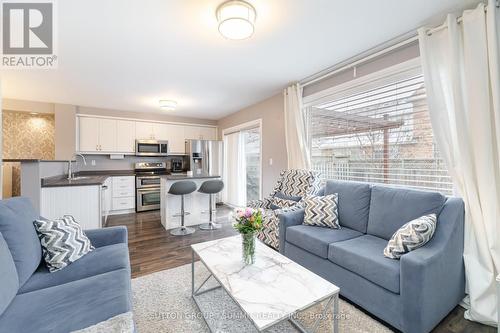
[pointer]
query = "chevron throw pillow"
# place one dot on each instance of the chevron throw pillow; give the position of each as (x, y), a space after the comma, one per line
(411, 236)
(322, 211)
(63, 242)
(279, 203)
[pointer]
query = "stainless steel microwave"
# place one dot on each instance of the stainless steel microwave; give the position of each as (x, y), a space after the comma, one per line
(151, 148)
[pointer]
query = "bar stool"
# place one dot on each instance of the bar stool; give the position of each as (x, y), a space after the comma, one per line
(182, 188)
(211, 187)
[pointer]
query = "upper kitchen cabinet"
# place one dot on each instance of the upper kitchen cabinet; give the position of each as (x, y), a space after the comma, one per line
(97, 135)
(161, 131)
(107, 135)
(88, 129)
(125, 136)
(144, 130)
(176, 138)
(200, 133)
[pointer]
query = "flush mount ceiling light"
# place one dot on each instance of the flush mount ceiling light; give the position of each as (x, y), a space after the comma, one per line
(168, 105)
(236, 19)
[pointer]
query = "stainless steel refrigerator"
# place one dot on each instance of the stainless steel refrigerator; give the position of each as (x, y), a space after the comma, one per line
(205, 157)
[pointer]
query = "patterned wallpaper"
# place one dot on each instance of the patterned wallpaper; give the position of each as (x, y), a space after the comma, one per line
(27, 136)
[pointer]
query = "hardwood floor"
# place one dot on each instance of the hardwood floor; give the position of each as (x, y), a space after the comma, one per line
(153, 249)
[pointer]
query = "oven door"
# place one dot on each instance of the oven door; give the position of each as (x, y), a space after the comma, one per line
(147, 199)
(147, 181)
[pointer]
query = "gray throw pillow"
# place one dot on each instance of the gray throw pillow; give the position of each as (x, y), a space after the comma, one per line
(63, 242)
(322, 211)
(411, 236)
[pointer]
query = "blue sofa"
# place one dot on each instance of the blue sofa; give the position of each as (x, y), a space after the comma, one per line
(92, 289)
(412, 294)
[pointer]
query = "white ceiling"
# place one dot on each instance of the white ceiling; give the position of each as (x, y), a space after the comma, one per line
(128, 54)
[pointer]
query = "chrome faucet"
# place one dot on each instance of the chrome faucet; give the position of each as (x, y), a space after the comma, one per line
(70, 167)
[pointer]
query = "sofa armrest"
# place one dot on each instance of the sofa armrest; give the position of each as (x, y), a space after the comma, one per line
(288, 219)
(107, 236)
(433, 276)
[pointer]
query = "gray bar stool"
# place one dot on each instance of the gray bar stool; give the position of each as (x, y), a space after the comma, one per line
(182, 188)
(211, 187)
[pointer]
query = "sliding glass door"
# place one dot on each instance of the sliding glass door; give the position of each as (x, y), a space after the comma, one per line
(242, 165)
(251, 139)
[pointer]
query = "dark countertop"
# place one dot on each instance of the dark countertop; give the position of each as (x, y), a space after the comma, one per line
(185, 176)
(92, 178)
(30, 160)
(59, 181)
(107, 173)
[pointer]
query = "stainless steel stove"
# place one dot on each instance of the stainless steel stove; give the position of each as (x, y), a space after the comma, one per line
(147, 185)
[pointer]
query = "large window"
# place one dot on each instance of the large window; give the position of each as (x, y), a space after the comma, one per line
(378, 131)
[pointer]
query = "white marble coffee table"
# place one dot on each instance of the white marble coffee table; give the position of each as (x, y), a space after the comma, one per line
(268, 292)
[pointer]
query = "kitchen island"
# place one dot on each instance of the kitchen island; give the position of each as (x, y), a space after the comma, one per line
(195, 203)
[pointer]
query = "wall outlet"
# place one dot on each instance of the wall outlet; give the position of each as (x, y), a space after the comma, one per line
(270, 161)
(92, 162)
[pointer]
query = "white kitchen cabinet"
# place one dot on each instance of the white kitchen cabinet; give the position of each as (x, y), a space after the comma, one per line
(97, 135)
(200, 133)
(123, 194)
(176, 139)
(107, 135)
(208, 133)
(89, 134)
(103, 135)
(144, 130)
(125, 136)
(161, 131)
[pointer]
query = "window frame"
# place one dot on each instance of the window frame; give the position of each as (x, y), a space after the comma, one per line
(362, 84)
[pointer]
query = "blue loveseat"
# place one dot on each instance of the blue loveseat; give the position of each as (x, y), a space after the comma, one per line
(412, 294)
(92, 289)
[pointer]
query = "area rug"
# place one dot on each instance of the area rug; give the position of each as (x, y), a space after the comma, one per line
(162, 303)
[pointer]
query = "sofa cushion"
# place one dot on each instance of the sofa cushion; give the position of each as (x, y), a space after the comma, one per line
(317, 239)
(390, 208)
(16, 225)
(353, 201)
(365, 256)
(101, 260)
(69, 306)
(10, 281)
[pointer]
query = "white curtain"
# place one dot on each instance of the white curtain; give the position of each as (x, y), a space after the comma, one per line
(462, 76)
(234, 174)
(295, 131)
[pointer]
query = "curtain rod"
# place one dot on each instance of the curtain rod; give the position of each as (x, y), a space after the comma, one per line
(374, 52)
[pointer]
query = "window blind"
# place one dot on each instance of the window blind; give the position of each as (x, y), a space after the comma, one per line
(381, 134)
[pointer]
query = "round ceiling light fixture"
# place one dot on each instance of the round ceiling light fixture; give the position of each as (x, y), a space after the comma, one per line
(168, 105)
(236, 19)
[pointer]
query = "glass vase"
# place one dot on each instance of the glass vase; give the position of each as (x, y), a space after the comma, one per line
(248, 247)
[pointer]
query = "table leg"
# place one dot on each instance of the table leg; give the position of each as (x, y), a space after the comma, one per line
(336, 313)
(192, 272)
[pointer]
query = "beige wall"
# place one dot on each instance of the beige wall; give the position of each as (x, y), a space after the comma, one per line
(273, 136)
(65, 134)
